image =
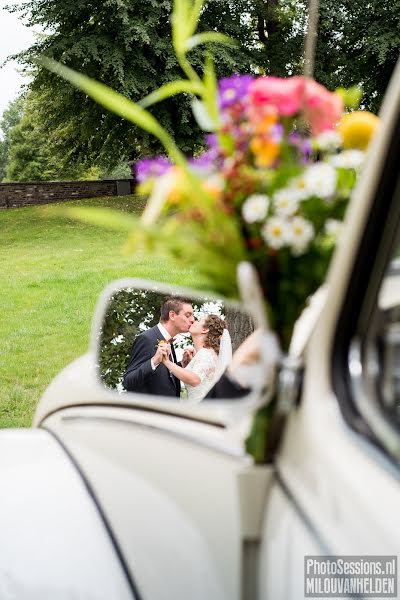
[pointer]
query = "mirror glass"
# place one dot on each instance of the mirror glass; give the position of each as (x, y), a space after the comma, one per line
(186, 348)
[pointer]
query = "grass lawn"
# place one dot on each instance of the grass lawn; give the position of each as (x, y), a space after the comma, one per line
(53, 271)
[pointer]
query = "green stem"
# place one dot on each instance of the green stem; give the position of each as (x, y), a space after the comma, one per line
(172, 149)
(189, 70)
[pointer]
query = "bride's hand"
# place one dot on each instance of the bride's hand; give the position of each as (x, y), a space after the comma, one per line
(187, 356)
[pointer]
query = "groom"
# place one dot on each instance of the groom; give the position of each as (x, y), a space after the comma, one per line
(145, 373)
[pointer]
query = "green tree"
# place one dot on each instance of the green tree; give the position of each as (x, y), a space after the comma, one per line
(128, 46)
(29, 150)
(358, 43)
(30, 157)
(10, 118)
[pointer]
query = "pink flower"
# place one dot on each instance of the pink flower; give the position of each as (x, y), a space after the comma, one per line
(322, 109)
(283, 94)
(291, 96)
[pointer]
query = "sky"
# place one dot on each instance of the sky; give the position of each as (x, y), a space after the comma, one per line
(14, 37)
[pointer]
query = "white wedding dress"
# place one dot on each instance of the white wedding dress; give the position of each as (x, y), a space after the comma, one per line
(204, 364)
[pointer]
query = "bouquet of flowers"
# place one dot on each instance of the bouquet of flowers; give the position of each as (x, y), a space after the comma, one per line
(271, 187)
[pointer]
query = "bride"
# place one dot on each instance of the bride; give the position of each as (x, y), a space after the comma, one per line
(213, 352)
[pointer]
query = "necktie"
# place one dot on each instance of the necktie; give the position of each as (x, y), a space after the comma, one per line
(172, 356)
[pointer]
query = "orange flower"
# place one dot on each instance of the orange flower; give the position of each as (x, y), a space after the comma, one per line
(265, 151)
(264, 125)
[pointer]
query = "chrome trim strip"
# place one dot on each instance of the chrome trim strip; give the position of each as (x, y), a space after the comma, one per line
(150, 409)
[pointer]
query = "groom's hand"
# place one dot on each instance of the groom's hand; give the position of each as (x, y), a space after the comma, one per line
(162, 351)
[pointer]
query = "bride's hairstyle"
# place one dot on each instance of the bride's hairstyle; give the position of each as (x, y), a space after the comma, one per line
(215, 326)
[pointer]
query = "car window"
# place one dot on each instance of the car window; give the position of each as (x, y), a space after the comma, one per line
(388, 343)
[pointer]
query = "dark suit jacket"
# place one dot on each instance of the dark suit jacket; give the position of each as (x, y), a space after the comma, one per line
(140, 377)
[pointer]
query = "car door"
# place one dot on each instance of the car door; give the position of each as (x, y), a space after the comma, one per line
(336, 485)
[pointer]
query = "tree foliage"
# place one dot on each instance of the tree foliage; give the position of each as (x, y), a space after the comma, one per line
(129, 312)
(30, 155)
(27, 152)
(359, 43)
(10, 118)
(128, 46)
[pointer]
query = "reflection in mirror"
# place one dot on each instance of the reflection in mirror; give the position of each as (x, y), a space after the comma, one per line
(184, 348)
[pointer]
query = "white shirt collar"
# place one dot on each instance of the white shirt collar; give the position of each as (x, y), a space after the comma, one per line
(163, 331)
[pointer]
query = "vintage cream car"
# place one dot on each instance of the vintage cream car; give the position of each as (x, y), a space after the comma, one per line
(124, 496)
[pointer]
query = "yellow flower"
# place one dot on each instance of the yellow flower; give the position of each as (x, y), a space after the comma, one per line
(357, 129)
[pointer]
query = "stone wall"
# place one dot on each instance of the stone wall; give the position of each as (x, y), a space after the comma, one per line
(42, 192)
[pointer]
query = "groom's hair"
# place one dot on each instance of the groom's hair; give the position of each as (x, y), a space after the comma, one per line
(174, 303)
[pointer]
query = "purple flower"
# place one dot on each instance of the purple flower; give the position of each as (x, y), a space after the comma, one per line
(232, 89)
(151, 167)
(306, 150)
(212, 141)
(204, 162)
(277, 133)
(294, 138)
(302, 144)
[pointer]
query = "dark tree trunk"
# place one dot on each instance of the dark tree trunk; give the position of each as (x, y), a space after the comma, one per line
(239, 324)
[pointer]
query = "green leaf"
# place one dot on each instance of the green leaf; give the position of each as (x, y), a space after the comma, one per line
(180, 20)
(195, 16)
(351, 97)
(202, 116)
(171, 89)
(207, 37)
(210, 95)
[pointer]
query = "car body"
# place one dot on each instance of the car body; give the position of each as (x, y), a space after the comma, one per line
(131, 497)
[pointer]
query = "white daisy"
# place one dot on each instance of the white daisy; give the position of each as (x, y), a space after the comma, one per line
(255, 208)
(349, 159)
(333, 227)
(301, 233)
(286, 201)
(320, 180)
(328, 141)
(299, 186)
(275, 232)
